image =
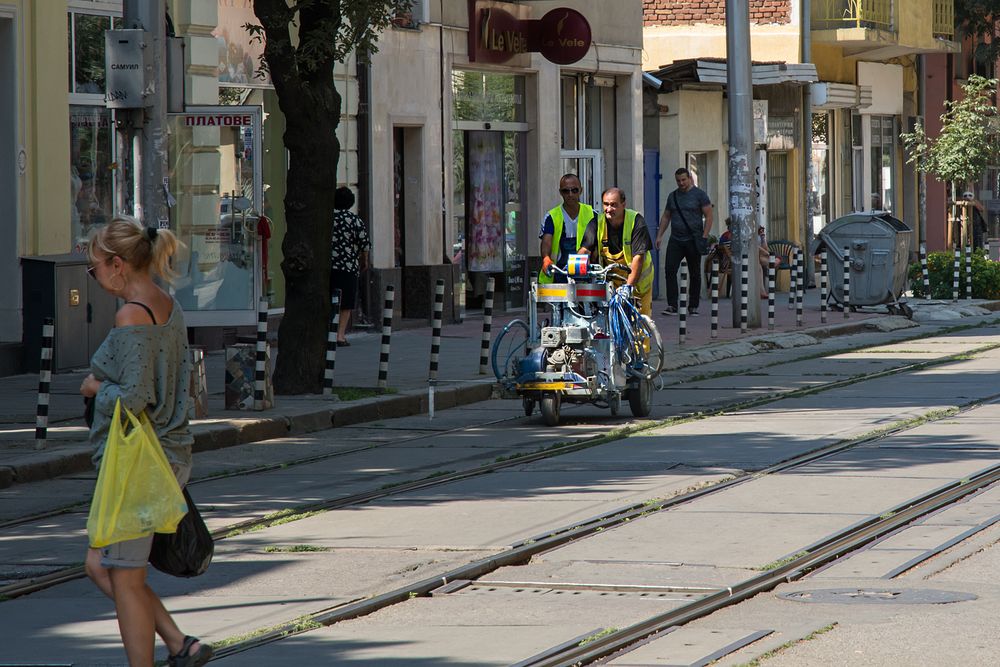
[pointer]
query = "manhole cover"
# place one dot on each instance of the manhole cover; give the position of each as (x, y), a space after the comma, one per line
(878, 596)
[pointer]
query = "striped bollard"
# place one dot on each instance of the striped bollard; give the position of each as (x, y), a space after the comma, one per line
(800, 281)
(484, 348)
(824, 286)
(715, 298)
(954, 275)
(383, 357)
(461, 299)
(847, 281)
(260, 370)
(331, 343)
(44, 383)
(986, 247)
(682, 311)
(924, 271)
(968, 272)
(744, 294)
(791, 280)
(435, 345)
(771, 269)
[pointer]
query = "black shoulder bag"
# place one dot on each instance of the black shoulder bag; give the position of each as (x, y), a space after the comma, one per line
(189, 551)
(699, 240)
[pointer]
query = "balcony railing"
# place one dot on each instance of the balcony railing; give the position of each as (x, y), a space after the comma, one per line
(944, 18)
(876, 14)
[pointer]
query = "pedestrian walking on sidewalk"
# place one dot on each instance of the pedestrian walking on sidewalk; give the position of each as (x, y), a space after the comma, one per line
(562, 229)
(144, 362)
(349, 246)
(688, 214)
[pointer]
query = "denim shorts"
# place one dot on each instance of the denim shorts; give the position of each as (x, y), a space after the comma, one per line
(135, 553)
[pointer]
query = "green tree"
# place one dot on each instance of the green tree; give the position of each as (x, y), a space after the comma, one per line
(980, 20)
(303, 39)
(967, 144)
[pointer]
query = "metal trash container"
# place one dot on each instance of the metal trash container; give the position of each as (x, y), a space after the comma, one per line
(880, 252)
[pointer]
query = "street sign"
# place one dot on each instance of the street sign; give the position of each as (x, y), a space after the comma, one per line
(126, 70)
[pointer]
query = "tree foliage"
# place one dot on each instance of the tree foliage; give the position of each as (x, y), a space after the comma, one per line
(980, 19)
(303, 40)
(967, 144)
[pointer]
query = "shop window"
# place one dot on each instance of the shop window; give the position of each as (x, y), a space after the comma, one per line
(91, 177)
(701, 174)
(92, 155)
(570, 113)
(777, 195)
(883, 162)
(482, 96)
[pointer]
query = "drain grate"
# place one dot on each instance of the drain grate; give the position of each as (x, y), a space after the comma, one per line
(878, 596)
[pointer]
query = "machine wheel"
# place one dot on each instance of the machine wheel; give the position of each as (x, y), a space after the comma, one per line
(640, 398)
(550, 409)
(615, 403)
(529, 405)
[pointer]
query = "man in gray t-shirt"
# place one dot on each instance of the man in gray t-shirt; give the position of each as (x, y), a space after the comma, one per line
(686, 206)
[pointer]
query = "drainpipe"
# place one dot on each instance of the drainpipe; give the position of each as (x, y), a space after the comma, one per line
(921, 176)
(365, 196)
(805, 206)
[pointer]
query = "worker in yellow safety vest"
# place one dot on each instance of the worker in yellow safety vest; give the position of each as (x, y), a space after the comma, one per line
(563, 228)
(620, 236)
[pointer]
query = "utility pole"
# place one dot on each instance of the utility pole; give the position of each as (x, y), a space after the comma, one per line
(739, 87)
(146, 126)
(806, 208)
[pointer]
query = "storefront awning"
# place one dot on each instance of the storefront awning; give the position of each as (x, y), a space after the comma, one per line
(713, 71)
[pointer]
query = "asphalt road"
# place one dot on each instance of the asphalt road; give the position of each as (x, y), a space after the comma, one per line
(278, 574)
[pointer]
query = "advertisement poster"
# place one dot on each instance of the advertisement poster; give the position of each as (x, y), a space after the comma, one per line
(239, 55)
(485, 245)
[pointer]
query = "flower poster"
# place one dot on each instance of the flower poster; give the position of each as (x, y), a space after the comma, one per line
(485, 192)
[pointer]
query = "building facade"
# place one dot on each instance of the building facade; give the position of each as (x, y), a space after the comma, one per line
(864, 95)
(455, 146)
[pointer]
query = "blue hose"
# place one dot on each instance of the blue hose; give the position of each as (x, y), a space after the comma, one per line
(496, 347)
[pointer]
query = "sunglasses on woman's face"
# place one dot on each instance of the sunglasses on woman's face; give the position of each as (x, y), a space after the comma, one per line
(569, 191)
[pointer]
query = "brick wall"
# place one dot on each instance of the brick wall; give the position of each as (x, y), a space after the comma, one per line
(684, 12)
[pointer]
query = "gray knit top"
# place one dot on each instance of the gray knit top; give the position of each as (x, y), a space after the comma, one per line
(148, 367)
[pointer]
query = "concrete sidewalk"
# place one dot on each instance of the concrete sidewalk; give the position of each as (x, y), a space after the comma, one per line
(66, 450)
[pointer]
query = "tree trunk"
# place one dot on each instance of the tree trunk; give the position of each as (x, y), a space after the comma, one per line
(311, 140)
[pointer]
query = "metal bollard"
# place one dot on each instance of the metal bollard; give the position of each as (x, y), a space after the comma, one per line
(824, 286)
(847, 281)
(682, 310)
(715, 298)
(791, 280)
(954, 275)
(925, 271)
(44, 383)
(771, 270)
(484, 348)
(383, 357)
(800, 281)
(432, 374)
(968, 272)
(260, 370)
(744, 294)
(331, 343)
(461, 299)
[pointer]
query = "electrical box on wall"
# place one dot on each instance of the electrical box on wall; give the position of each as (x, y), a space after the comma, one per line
(126, 69)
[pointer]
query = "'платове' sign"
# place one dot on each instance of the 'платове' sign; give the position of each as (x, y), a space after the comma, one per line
(501, 32)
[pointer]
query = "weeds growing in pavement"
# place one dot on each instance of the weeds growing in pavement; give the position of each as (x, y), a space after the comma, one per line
(597, 635)
(787, 645)
(300, 624)
(774, 565)
(295, 548)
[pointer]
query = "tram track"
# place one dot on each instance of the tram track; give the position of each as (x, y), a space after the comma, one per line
(49, 580)
(789, 569)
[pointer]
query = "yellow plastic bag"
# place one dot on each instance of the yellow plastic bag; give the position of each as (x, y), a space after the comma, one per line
(136, 492)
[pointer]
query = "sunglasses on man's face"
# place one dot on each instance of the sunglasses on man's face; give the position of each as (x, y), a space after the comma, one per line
(569, 191)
